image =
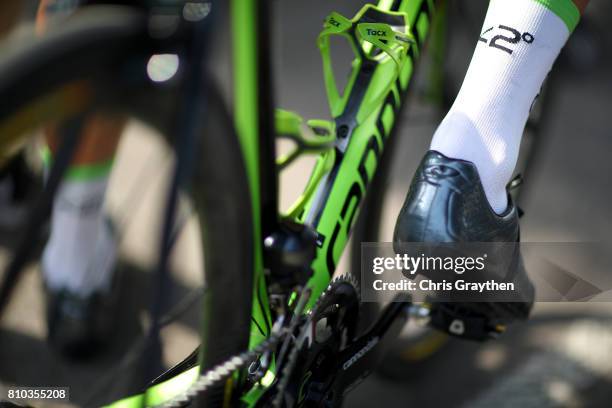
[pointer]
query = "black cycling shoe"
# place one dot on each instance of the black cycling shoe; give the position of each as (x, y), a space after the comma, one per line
(79, 326)
(446, 203)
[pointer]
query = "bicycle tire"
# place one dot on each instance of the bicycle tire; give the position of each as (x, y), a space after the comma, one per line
(104, 45)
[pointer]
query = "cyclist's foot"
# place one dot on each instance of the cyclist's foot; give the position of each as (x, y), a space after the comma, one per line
(81, 296)
(79, 326)
(446, 203)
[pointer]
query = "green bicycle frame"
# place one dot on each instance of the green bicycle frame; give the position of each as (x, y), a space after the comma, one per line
(333, 210)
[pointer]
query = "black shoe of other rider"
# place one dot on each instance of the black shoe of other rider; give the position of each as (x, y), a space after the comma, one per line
(79, 326)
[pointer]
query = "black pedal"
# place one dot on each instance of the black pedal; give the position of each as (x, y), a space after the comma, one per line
(460, 322)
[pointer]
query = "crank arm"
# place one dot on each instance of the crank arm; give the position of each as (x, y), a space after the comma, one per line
(360, 357)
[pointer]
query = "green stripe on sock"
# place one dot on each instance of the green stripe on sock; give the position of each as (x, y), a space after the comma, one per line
(565, 9)
(82, 172)
(89, 171)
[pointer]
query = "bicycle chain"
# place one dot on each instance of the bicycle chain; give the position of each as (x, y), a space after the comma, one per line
(288, 370)
(221, 371)
(218, 373)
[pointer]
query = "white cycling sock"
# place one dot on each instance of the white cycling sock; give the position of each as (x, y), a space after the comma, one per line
(81, 250)
(518, 45)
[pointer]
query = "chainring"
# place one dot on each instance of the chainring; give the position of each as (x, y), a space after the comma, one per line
(333, 321)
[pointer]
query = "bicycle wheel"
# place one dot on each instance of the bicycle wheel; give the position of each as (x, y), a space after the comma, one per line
(96, 61)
